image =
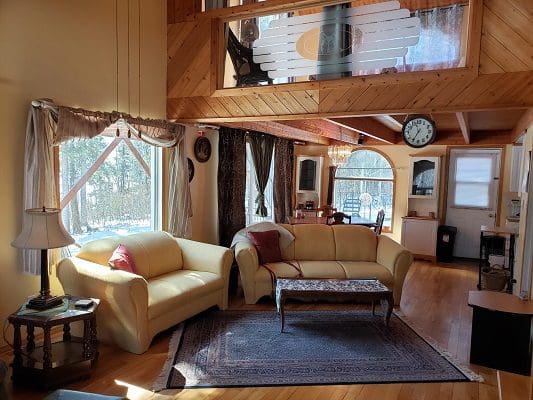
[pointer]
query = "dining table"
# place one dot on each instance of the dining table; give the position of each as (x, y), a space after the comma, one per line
(356, 220)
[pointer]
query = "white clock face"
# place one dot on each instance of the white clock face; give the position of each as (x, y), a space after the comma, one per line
(418, 132)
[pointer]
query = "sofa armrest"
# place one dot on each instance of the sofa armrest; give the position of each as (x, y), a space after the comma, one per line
(123, 311)
(395, 258)
(248, 261)
(205, 257)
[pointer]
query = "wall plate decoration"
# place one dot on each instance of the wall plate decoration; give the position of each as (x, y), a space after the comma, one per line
(202, 149)
(190, 165)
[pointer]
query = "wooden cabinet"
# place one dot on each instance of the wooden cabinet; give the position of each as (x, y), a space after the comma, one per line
(419, 236)
(308, 179)
(419, 228)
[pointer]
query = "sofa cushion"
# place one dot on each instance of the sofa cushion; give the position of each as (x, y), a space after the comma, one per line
(354, 243)
(322, 269)
(167, 291)
(367, 270)
(313, 242)
(287, 253)
(267, 245)
(155, 253)
(123, 260)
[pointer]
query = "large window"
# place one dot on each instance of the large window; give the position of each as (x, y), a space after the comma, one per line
(109, 186)
(250, 205)
(364, 185)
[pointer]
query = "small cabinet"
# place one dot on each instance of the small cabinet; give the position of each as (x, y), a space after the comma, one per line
(308, 179)
(419, 236)
(424, 177)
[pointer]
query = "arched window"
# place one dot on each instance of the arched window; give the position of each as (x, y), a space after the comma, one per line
(364, 185)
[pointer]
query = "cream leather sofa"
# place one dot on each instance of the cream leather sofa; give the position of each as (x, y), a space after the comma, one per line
(177, 279)
(324, 251)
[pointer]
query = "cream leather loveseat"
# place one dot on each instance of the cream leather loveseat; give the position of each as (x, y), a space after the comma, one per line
(177, 279)
(324, 251)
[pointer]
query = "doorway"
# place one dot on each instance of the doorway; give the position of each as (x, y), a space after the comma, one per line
(472, 201)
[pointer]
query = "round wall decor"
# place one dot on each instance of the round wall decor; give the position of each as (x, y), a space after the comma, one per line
(202, 149)
(190, 164)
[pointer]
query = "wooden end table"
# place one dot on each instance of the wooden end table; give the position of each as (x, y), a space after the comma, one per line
(54, 364)
(346, 289)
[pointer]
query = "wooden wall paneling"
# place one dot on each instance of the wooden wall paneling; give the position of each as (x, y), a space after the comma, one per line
(449, 92)
(245, 105)
(349, 98)
(261, 106)
(386, 96)
(407, 94)
(474, 89)
(189, 64)
(308, 99)
(525, 121)
(231, 105)
(291, 103)
(369, 127)
(280, 130)
(182, 10)
(277, 106)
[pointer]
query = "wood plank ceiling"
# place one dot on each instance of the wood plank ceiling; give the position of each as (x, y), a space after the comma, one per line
(478, 104)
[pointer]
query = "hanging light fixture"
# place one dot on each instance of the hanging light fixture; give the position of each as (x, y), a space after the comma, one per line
(338, 154)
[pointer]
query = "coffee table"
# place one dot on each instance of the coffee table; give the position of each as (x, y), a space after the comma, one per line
(345, 289)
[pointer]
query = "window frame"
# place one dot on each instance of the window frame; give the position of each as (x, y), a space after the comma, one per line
(156, 189)
(386, 229)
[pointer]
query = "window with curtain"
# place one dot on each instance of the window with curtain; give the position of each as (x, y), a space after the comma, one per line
(109, 186)
(251, 191)
(364, 185)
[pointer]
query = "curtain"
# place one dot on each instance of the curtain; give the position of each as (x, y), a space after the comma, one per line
(231, 183)
(284, 163)
(331, 184)
(50, 124)
(261, 146)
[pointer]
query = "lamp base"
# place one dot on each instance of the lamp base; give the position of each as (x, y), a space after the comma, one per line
(41, 302)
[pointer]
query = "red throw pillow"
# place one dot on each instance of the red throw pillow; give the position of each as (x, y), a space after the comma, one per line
(267, 245)
(123, 260)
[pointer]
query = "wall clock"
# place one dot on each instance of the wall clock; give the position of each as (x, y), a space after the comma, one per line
(419, 131)
(190, 166)
(202, 149)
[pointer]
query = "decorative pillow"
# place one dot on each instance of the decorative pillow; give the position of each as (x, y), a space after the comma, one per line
(267, 245)
(123, 260)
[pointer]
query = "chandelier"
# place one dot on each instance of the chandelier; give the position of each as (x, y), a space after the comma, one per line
(339, 154)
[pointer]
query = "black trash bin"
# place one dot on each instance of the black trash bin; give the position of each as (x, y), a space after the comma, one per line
(445, 242)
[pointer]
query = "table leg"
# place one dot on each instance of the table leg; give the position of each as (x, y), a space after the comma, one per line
(66, 333)
(388, 309)
(373, 307)
(47, 348)
(94, 341)
(17, 343)
(86, 354)
(282, 311)
(30, 344)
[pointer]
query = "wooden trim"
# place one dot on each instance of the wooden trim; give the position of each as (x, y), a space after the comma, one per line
(367, 127)
(462, 119)
(218, 55)
(522, 125)
(475, 20)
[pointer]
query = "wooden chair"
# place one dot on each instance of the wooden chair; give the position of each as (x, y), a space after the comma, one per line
(352, 206)
(338, 218)
(379, 222)
(326, 211)
(248, 72)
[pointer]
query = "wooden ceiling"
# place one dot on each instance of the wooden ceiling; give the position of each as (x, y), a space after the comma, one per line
(488, 101)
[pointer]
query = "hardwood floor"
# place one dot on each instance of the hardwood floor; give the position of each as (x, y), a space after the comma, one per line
(435, 299)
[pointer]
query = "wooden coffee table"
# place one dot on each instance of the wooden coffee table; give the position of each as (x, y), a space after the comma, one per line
(345, 289)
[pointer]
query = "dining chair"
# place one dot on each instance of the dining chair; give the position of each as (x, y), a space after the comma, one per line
(352, 205)
(338, 218)
(379, 222)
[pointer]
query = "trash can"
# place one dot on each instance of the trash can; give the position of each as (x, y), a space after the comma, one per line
(445, 242)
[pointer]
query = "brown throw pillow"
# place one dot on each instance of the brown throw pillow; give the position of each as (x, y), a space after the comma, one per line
(267, 245)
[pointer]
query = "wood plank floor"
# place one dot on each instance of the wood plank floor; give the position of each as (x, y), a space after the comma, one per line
(435, 299)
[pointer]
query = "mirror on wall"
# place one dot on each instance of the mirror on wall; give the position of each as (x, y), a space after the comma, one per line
(308, 179)
(308, 174)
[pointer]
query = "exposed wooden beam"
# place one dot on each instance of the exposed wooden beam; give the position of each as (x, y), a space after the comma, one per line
(390, 122)
(523, 124)
(280, 130)
(462, 119)
(368, 127)
(326, 129)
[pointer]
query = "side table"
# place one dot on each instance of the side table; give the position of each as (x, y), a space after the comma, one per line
(54, 364)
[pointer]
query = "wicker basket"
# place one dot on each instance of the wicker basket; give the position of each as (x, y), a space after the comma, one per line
(494, 279)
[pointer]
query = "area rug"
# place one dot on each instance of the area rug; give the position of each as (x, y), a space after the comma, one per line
(246, 348)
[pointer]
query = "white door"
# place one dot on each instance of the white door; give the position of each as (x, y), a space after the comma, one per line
(473, 177)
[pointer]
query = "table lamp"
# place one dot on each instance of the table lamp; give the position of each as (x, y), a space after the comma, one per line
(43, 230)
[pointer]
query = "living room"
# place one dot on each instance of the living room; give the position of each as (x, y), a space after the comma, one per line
(105, 56)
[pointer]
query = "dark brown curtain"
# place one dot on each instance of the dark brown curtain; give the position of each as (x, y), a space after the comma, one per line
(261, 146)
(283, 170)
(231, 183)
(331, 184)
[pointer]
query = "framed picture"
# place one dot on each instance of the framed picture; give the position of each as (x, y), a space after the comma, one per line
(202, 149)
(190, 165)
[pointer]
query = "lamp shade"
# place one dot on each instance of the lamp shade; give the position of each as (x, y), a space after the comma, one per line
(43, 229)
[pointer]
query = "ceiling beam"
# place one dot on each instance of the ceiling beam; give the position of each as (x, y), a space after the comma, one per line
(525, 121)
(279, 130)
(389, 121)
(462, 119)
(326, 129)
(368, 127)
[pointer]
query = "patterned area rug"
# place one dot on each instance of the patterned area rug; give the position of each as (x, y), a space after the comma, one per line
(236, 349)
